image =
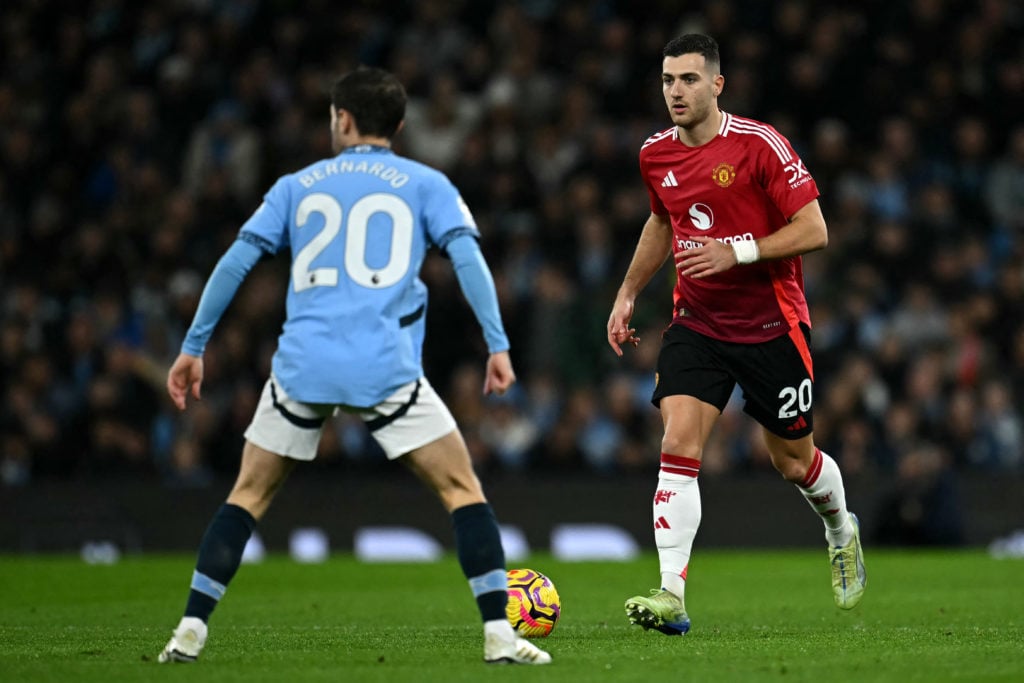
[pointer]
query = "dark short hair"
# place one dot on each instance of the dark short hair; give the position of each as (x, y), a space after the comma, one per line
(374, 97)
(698, 43)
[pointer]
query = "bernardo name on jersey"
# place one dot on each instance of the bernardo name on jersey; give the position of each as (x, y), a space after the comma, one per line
(331, 167)
(359, 226)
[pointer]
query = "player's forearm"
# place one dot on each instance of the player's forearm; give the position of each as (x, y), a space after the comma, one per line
(806, 232)
(478, 287)
(220, 289)
(652, 249)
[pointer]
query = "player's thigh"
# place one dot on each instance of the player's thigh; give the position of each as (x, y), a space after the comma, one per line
(692, 388)
(415, 425)
(260, 475)
(282, 432)
(688, 422)
(445, 466)
(778, 383)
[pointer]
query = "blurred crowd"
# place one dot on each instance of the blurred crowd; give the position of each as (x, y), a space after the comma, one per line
(136, 138)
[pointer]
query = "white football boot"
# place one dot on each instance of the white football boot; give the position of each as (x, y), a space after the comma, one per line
(503, 646)
(186, 643)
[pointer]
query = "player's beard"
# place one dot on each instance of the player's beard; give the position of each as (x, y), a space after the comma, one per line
(691, 118)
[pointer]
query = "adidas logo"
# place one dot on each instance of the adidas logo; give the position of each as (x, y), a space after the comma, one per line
(670, 180)
(799, 424)
(661, 523)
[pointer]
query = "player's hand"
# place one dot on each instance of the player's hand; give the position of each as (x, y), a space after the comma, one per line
(709, 258)
(500, 375)
(186, 373)
(619, 331)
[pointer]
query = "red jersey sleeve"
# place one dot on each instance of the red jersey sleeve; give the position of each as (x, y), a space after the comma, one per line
(657, 206)
(784, 176)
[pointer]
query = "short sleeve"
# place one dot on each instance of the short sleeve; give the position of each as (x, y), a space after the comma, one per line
(657, 207)
(786, 180)
(444, 209)
(267, 228)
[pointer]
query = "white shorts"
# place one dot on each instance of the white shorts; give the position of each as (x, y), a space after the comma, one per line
(411, 417)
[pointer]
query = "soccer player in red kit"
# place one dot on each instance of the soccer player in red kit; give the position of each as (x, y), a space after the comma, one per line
(735, 207)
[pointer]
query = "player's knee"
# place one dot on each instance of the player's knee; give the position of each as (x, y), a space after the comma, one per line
(686, 448)
(792, 471)
(791, 458)
(792, 468)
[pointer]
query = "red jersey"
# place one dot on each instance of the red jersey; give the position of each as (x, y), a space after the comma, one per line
(743, 184)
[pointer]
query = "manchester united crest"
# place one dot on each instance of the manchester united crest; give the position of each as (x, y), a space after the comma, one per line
(724, 174)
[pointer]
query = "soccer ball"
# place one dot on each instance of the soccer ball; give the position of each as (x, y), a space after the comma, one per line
(533, 603)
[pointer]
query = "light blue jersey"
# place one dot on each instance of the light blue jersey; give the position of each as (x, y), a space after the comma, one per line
(358, 226)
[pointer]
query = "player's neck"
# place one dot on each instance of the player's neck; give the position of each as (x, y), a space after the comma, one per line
(702, 133)
(344, 143)
(371, 140)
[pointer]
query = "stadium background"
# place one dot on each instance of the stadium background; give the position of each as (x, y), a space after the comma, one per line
(135, 138)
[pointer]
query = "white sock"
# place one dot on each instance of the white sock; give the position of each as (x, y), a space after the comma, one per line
(676, 518)
(500, 628)
(823, 490)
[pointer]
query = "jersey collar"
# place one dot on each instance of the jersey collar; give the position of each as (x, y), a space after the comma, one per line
(365, 149)
(723, 130)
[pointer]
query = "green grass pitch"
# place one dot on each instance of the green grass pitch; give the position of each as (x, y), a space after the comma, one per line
(757, 616)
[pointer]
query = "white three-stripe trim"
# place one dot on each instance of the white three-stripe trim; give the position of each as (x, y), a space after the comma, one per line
(660, 136)
(747, 127)
(670, 180)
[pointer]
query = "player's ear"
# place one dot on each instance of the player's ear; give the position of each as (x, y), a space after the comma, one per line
(346, 122)
(719, 82)
(401, 125)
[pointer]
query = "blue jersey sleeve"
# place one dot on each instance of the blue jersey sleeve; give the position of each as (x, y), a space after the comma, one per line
(220, 289)
(268, 226)
(445, 210)
(478, 286)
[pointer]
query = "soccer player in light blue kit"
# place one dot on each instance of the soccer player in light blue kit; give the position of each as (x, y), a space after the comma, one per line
(358, 227)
